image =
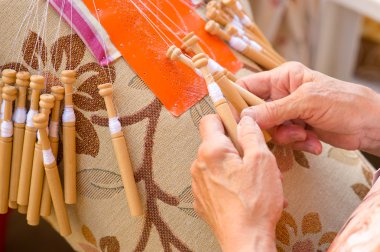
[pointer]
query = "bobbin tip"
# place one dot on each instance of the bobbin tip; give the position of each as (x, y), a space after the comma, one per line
(105, 89)
(40, 121)
(9, 93)
(200, 60)
(68, 77)
(231, 30)
(173, 53)
(37, 82)
(58, 92)
(211, 13)
(22, 79)
(228, 2)
(212, 27)
(47, 101)
(9, 76)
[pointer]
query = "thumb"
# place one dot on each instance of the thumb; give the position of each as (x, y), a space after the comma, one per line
(274, 113)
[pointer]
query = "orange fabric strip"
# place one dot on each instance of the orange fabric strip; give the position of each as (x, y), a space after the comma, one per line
(144, 47)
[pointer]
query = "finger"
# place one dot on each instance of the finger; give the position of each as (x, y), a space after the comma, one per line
(211, 127)
(286, 203)
(288, 134)
(258, 83)
(312, 144)
(274, 113)
(250, 136)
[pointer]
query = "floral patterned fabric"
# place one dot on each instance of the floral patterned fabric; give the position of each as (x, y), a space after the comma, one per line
(322, 191)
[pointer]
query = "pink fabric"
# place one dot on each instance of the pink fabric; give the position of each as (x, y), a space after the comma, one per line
(76, 14)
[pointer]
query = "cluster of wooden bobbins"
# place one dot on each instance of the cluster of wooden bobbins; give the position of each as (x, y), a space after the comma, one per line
(240, 32)
(29, 177)
(221, 83)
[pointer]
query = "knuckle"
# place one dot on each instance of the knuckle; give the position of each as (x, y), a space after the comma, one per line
(271, 109)
(211, 151)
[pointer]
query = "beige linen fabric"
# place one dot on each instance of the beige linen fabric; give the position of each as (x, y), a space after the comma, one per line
(322, 191)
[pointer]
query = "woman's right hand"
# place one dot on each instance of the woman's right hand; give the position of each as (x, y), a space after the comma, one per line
(305, 107)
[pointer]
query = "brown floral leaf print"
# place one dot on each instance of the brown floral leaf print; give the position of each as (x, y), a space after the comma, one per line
(109, 244)
(137, 83)
(284, 157)
(311, 224)
(282, 232)
(34, 51)
(361, 190)
(367, 174)
(88, 248)
(87, 95)
(301, 159)
(88, 235)
(15, 66)
(98, 183)
(327, 238)
(279, 249)
(202, 108)
(87, 138)
(67, 45)
(303, 246)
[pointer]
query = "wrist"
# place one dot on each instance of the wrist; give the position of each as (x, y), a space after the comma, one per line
(370, 141)
(249, 240)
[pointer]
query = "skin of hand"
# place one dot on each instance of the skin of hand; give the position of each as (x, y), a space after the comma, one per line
(241, 198)
(305, 107)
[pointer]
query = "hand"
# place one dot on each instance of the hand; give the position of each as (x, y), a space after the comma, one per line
(240, 198)
(309, 106)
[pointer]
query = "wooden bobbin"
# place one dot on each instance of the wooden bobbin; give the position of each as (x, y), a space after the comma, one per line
(22, 83)
(174, 53)
(222, 107)
(258, 57)
(1, 100)
(190, 44)
(9, 95)
(122, 156)
(58, 92)
(52, 176)
(68, 78)
(8, 77)
(36, 85)
(37, 180)
(269, 51)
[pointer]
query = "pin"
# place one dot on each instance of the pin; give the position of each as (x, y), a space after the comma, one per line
(121, 152)
(36, 85)
(41, 122)
(6, 138)
(58, 92)
(19, 119)
(68, 78)
(37, 179)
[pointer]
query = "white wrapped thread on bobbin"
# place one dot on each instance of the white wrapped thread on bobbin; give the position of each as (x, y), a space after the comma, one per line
(215, 92)
(68, 114)
(253, 44)
(238, 5)
(53, 129)
(6, 129)
(213, 66)
(2, 109)
(237, 24)
(48, 156)
(19, 116)
(29, 117)
(38, 133)
(245, 20)
(114, 125)
(238, 44)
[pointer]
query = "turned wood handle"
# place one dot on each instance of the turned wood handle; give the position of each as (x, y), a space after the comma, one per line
(69, 159)
(5, 164)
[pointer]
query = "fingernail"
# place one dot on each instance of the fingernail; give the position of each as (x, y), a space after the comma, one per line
(312, 148)
(246, 120)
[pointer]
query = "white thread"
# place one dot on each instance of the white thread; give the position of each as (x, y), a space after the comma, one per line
(48, 156)
(6, 129)
(237, 24)
(68, 114)
(213, 66)
(245, 20)
(214, 92)
(238, 44)
(19, 115)
(2, 110)
(53, 129)
(240, 31)
(198, 72)
(29, 117)
(253, 44)
(114, 125)
(238, 5)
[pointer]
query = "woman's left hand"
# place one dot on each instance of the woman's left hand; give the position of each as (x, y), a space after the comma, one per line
(241, 198)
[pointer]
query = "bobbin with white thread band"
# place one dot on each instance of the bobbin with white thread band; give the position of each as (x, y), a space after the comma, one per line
(9, 95)
(52, 176)
(19, 119)
(36, 85)
(38, 174)
(121, 152)
(68, 78)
